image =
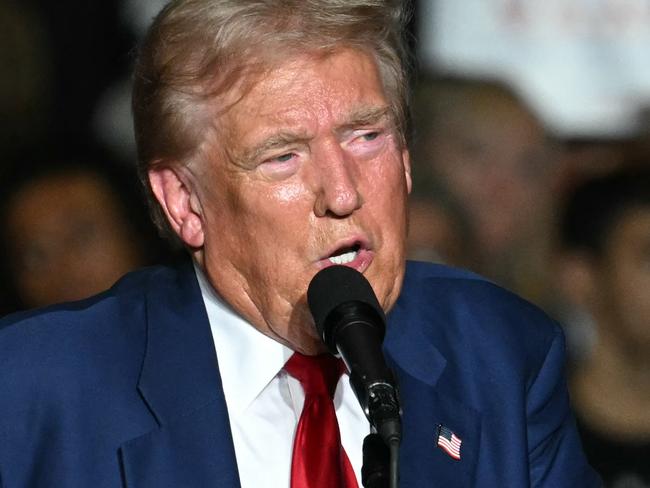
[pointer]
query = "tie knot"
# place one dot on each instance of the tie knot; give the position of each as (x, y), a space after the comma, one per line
(318, 375)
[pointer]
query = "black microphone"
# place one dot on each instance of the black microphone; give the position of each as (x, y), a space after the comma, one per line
(351, 322)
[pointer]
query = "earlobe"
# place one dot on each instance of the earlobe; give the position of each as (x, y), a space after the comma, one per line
(182, 209)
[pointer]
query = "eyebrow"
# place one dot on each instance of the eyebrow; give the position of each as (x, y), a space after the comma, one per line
(275, 141)
(365, 115)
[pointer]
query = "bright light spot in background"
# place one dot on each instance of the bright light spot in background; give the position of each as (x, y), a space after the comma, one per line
(582, 65)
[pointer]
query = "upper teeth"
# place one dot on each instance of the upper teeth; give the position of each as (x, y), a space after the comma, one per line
(344, 258)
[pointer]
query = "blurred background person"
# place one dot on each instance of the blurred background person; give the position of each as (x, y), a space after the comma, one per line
(480, 145)
(604, 276)
(73, 224)
(439, 231)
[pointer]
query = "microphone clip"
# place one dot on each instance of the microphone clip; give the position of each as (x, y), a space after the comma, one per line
(381, 406)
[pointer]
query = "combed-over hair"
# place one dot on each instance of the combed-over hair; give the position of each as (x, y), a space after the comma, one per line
(196, 50)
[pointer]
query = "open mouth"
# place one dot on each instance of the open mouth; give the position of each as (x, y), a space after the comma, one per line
(345, 255)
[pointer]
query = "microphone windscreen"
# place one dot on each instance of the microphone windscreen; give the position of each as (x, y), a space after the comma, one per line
(336, 285)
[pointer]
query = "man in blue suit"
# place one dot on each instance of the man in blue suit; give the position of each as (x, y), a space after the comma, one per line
(271, 138)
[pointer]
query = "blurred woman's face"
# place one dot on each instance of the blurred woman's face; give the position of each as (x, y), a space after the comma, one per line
(623, 281)
(67, 239)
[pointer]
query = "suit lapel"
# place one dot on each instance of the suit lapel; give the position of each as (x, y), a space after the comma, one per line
(181, 385)
(429, 398)
(193, 445)
(422, 461)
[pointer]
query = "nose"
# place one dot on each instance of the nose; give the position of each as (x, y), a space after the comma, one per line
(337, 193)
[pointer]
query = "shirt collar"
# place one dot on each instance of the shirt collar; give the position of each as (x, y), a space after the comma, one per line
(248, 359)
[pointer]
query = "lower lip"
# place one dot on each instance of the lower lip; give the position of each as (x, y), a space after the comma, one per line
(360, 263)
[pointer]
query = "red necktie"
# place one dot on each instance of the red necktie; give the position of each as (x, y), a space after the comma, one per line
(319, 460)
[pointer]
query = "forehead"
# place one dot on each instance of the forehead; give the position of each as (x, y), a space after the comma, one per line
(308, 92)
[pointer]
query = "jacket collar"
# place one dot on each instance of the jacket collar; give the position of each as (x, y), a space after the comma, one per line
(407, 345)
(180, 384)
(179, 372)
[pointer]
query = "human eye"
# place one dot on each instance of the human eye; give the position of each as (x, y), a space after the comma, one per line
(283, 158)
(370, 136)
(366, 141)
(280, 166)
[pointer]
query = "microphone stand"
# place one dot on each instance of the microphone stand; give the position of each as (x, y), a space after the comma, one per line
(381, 406)
(379, 468)
(394, 465)
(375, 469)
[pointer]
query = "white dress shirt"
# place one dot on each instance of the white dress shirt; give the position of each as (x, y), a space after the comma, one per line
(264, 402)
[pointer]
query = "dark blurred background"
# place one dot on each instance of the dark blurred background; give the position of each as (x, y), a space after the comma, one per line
(58, 60)
(73, 210)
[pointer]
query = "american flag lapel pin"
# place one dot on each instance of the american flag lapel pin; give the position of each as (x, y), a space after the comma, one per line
(448, 441)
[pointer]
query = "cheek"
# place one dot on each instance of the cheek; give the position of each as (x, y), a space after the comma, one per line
(388, 190)
(387, 172)
(386, 200)
(267, 222)
(285, 197)
(278, 210)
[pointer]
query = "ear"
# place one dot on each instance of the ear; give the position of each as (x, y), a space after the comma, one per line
(174, 192)
(406, 161)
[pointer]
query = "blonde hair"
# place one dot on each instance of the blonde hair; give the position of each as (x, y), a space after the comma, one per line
(196, 50)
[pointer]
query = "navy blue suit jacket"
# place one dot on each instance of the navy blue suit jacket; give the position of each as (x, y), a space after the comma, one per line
(124, 390)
